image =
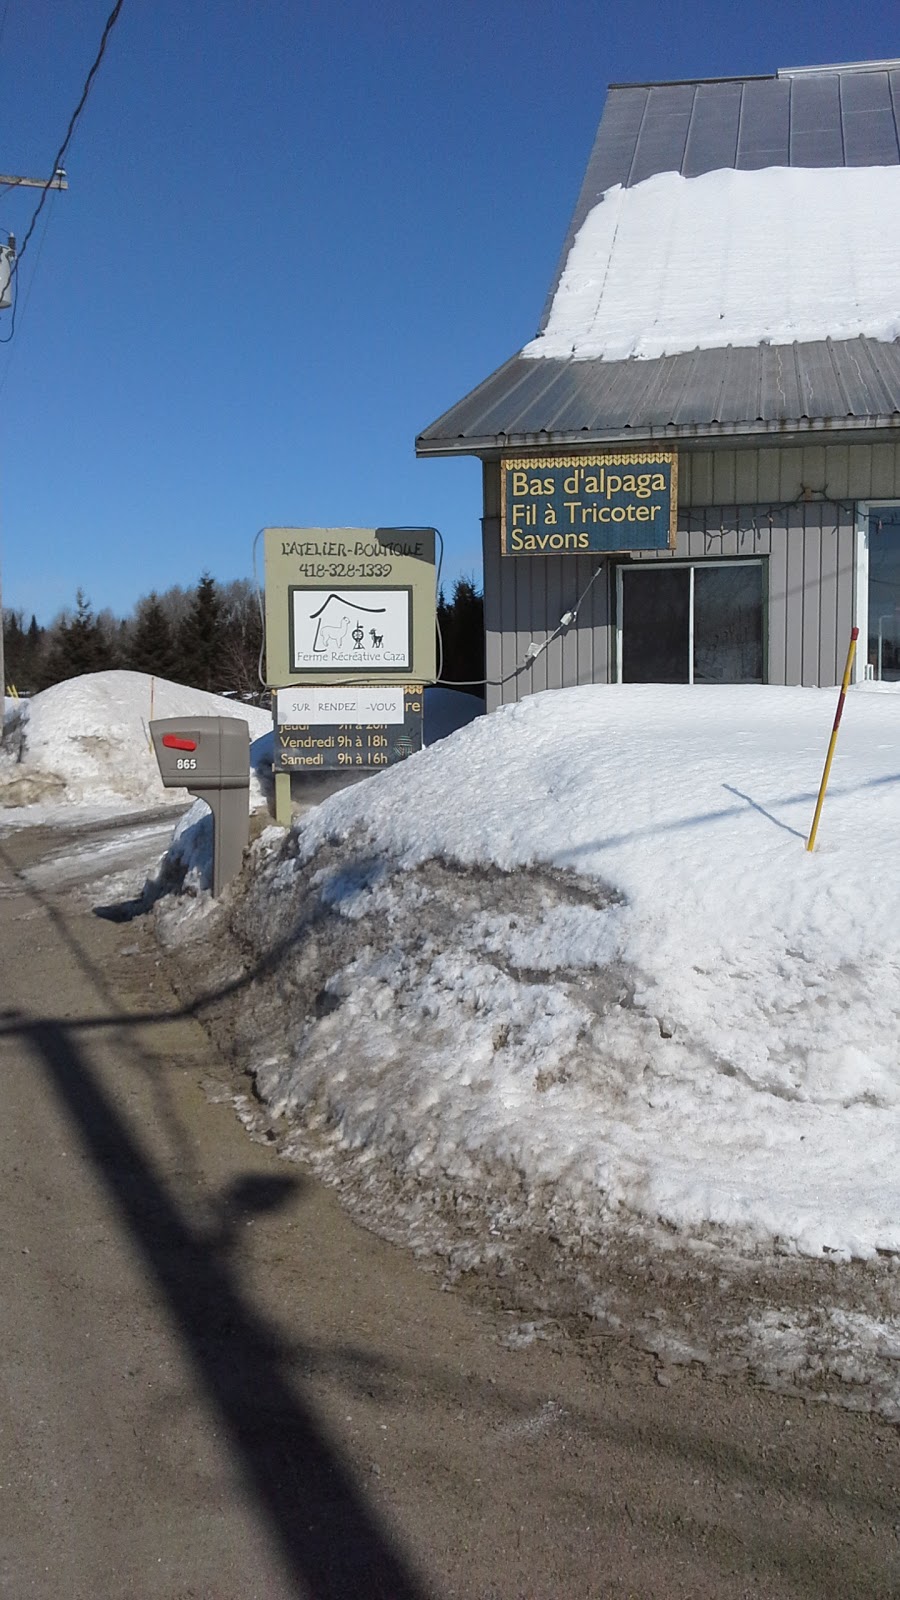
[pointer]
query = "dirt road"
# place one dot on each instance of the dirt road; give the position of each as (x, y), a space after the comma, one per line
(214, 1385)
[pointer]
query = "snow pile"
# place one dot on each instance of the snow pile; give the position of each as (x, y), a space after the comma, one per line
(730, 258)
(189, 862)
(576, 962)
(87, 741)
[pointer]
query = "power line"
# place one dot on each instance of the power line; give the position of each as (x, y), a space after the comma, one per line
(111, 21)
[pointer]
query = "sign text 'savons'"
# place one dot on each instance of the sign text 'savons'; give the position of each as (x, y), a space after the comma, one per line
(601, 503)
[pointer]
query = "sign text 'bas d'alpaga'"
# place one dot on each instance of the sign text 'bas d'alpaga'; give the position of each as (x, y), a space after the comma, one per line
(558, 505)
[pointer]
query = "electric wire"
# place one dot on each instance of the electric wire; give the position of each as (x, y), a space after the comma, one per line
(805, 497)
(111, 21)
(565, 621)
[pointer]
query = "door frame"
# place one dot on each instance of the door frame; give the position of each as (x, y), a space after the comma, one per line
(864, 509)
(666, 566)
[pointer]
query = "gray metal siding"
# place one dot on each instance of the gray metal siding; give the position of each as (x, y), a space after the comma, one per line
(663, 133)
(831, 471)
(808, 550)
(524, 601)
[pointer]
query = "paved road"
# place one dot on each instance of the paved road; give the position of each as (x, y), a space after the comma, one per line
(214, 1385)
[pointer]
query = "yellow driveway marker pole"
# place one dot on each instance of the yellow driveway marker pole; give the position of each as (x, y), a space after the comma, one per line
(810, 843)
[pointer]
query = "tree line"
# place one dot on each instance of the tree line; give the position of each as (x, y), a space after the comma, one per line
(209, 637)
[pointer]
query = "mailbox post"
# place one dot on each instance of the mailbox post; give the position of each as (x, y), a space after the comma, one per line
(210, 757)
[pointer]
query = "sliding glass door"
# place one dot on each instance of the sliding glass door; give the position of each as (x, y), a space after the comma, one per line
(883, 655)
(691, 623)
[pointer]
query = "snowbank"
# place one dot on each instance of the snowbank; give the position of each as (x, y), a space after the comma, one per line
(189, 861)
(578, 951)
(87, 741)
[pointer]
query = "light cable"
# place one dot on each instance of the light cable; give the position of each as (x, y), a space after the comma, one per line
(111, 21)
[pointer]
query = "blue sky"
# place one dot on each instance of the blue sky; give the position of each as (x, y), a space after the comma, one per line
(294, 235)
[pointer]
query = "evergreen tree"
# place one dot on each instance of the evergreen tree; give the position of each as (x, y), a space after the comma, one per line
(200, 637)
(152, 646)
(34, 648)
(461, 622)
(79, 646)
(14, 638)
(88, 647)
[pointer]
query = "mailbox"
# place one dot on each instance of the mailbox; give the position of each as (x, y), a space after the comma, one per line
(210, 757)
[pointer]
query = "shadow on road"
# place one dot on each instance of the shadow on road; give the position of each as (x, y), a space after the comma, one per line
(328, 1536)
(330, 1540)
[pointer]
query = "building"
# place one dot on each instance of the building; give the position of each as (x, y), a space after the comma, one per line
(692, 473)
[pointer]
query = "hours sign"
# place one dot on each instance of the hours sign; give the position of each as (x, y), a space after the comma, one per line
(573, 505)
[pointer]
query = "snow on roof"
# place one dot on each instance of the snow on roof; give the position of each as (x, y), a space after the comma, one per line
(777, 255)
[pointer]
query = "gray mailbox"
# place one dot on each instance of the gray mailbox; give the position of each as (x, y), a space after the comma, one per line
(210, 757)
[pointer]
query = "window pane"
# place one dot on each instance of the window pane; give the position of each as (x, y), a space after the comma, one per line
(728, 630)
(884, 594)
(655, 616)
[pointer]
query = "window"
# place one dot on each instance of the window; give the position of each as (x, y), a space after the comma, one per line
(883, 652)
(691, 623)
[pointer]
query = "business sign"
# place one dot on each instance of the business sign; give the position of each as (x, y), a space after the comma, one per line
(589, 504)
(312, 733)
(358, 704)
(349, 603)
(350, 630)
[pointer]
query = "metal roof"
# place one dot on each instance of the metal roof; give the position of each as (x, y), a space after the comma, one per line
(815, 117)
(840, 385)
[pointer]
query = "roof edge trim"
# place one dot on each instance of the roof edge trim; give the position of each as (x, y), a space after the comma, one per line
(676, 83)
(889, 424)
(890, 64)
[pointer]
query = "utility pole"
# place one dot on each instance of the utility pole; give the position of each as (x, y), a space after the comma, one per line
(7, 273)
